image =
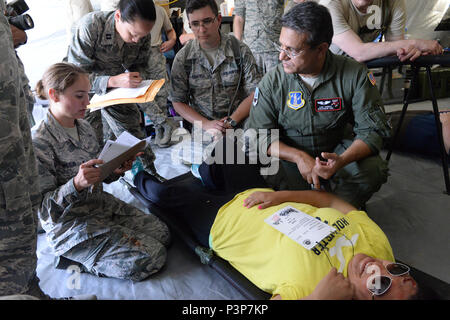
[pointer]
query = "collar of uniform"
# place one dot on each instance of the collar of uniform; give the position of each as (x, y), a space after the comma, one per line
(109, 31)
(225, 49)
(328, 69)
(196, 51)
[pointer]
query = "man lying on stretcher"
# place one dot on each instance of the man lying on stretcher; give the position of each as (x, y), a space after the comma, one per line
(355, 261)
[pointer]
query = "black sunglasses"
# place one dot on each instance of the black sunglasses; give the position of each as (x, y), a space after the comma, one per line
(381, 284)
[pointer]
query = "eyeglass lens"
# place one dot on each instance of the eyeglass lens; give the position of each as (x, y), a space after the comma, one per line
(380, 285)
(397, 269)
(205, 22)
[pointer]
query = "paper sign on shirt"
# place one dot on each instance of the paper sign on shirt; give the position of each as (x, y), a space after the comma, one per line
(299, 226)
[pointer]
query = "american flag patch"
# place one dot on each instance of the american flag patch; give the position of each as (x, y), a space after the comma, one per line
(372, 78)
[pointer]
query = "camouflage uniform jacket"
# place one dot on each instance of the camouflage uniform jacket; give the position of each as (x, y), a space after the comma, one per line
(19, 196)
(262, 23)
(69, 217)
(97, 48)
(210, 89)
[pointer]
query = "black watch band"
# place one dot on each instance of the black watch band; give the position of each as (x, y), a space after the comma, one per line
(232, 122)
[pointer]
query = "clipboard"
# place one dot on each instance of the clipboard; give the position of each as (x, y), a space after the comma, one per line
(148, 96)
(108, 167)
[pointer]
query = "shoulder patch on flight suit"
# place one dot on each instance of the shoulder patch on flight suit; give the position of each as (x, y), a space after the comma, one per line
(323, 105)
(255, 97)
(295, 100)
(372, 78)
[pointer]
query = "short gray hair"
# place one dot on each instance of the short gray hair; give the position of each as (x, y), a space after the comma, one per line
(311, 18)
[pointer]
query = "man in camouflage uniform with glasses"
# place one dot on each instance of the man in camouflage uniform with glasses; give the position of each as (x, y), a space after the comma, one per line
(207, 70)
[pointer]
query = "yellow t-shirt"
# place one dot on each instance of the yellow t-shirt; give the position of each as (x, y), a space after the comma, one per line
(279, 265)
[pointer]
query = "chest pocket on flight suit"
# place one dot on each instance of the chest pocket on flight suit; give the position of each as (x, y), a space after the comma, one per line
(296, 127)
(324, 122)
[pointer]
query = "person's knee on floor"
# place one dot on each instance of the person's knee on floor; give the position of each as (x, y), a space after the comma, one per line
(357, 186)
(134, 269)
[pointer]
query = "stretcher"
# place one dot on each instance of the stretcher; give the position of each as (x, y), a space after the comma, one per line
(433, 288)
(205, 255)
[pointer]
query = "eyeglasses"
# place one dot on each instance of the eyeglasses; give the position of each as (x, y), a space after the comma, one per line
(289, 52)
(205, 23)
(381, 284)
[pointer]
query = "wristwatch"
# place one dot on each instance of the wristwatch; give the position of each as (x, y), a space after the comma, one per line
(232, 122)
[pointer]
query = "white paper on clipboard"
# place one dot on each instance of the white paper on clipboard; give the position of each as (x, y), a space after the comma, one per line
(114, 153)
(121, 93)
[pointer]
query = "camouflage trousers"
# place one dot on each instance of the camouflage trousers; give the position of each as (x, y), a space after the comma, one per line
(34, 292)
(157, 109)
(112, 121)
(133, 249)
(266, 61)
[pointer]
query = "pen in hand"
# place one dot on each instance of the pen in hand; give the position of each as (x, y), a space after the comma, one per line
(127, 79)
(125, 70)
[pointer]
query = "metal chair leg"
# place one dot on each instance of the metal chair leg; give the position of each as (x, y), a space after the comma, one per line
(383, 79)
(406, 96)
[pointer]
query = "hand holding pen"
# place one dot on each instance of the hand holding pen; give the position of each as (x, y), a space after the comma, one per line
(126, 79)
(88, 174)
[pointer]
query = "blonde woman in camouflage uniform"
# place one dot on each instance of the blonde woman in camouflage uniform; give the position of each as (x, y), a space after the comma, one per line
(84, 224)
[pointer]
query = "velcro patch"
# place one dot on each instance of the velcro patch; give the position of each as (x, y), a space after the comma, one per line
(324, 105)
(295, 100)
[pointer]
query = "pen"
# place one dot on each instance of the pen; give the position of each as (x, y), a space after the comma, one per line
(125, 69)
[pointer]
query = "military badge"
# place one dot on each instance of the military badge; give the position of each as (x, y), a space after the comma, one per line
(295, 100)
(323, 105)
(372, 78)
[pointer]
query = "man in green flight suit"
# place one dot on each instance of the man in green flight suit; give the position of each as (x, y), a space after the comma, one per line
(314, 97)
